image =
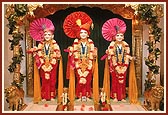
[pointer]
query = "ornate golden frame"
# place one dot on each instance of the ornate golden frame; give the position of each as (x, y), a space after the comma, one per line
(126, 12)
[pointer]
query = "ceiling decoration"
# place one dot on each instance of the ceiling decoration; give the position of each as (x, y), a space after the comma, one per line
(48, 9)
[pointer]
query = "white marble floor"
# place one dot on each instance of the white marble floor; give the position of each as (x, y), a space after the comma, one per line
(51, 107)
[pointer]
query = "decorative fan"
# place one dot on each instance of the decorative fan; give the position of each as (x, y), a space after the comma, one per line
(111, 27)
(73, 21)
(38, 26)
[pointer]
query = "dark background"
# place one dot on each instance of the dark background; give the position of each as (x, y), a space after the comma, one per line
(99, 17)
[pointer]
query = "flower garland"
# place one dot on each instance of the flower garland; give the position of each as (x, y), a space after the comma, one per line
(150, 14)
(83, 65)
(15, 14)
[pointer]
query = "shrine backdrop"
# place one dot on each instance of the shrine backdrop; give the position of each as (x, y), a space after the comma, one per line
(99, 16)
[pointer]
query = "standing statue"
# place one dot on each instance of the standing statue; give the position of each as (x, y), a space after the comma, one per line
(118, 56)
(82, 53)
(46, 56)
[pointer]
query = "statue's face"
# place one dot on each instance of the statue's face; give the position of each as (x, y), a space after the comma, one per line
(83, 34)
(48, 35)
(119, 37)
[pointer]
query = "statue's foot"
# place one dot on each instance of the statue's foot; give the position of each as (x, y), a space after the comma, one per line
(43, 100)
(88, 99)
(123, 100)
(115, 100)
(79, 100)
(52, 99)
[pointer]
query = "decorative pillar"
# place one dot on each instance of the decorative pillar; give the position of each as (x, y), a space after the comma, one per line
(138, 54)
(16, 76)
(29, 64)
(150, 15)
(15, 14)
(137, 33)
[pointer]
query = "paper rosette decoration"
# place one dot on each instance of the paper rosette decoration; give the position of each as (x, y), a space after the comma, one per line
(73, 22)
(38, 26)
(111, 27)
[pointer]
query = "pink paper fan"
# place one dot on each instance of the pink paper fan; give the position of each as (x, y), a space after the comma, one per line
(38, 26)
(70, 27)
(110, 26)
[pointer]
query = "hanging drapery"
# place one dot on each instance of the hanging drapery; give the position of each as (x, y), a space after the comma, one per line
(95, 82)
(106, 82)
(132, 89)
(37, 85)
(60, 81)
(72, 87)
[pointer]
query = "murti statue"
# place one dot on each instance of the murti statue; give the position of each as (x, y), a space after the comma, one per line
(82, 52)
(46, 56)
(118, 56)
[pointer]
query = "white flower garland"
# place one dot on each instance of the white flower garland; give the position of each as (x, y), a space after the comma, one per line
(47, 76)
(47, 69)
(53, 61)
(82, 74)
(82, 80)
(121, 69)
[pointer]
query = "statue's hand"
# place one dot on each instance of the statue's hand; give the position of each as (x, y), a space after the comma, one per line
(31, 50)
